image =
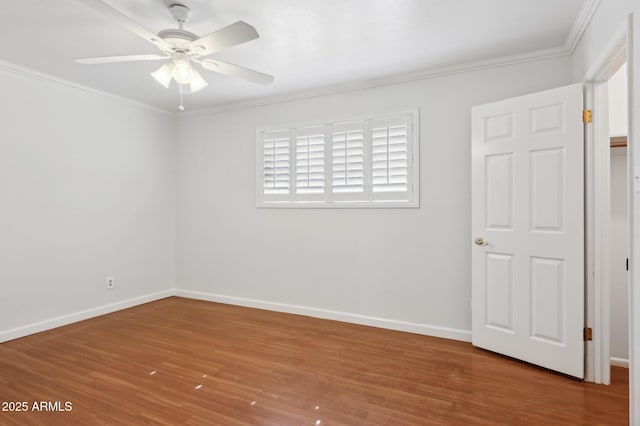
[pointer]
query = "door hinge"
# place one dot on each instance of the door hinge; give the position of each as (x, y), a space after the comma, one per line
(587, 116)
(587, 334)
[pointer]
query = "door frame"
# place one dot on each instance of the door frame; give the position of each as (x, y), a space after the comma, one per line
(597, 205)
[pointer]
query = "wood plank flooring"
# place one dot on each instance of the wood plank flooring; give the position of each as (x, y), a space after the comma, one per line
(187, 362)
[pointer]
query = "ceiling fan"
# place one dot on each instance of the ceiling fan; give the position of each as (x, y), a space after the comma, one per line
(182, 49)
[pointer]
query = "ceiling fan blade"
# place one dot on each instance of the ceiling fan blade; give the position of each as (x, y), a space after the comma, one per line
(110, 12)
(114, 59)
(233, 34)
(237, 71)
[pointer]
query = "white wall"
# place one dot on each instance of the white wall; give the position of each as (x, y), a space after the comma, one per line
(406, 265)
(610, 18)
(86, 191)
(619, 238)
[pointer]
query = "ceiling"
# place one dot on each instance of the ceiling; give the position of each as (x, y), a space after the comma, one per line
(306, 44)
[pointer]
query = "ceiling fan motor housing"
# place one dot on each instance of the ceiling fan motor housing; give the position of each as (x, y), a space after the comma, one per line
(178, 38)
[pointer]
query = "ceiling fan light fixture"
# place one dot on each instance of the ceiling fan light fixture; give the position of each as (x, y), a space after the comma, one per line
(197, 82)
(182, 71)
(164, 74)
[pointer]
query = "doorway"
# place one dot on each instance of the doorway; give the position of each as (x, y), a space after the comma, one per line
(601, 298)
(619, 219)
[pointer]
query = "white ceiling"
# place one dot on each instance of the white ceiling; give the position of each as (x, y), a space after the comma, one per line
(305, 44)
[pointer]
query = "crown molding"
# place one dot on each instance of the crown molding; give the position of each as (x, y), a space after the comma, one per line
(387, 81)
(588, 9)
(30, 73)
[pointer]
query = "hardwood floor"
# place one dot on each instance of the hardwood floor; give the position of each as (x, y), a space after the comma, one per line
(186, 362)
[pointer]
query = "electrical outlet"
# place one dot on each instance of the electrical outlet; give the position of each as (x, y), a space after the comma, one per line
(110, 283)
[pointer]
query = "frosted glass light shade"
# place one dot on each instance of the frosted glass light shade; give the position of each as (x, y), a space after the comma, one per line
(164, 74)
(182, 72)
(197, 82)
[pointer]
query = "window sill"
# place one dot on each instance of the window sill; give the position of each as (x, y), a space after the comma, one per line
(338, 205)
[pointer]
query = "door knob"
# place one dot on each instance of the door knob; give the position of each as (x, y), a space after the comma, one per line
(480, 241)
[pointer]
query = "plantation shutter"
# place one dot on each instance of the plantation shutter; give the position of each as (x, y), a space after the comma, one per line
(310, 162)
(276, 167)
(359, 163)
(348, 161)
(390, 158)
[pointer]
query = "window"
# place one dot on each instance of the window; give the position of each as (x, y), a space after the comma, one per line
(364, 163)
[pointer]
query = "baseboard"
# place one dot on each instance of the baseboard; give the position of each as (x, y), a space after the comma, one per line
(425, 329)
(619, 362)
(37, 327)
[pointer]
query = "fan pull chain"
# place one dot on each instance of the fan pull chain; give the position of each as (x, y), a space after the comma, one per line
(181, 106)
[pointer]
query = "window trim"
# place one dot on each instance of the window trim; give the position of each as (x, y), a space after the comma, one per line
(329, 199)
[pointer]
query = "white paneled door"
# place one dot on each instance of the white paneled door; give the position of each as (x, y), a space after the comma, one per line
(528, 228)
